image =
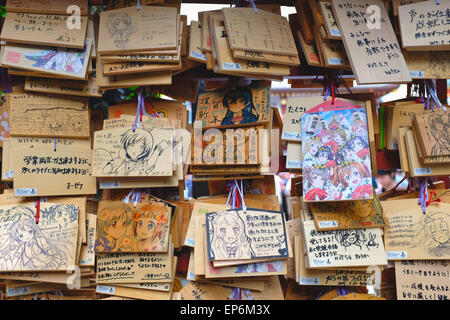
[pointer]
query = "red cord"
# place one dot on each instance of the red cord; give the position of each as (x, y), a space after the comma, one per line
(38, 208)
(431, 201)
(332, 92)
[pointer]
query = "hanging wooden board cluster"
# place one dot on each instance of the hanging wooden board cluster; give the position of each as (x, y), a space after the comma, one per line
(371, 44)
(319, 35)
(211, 44)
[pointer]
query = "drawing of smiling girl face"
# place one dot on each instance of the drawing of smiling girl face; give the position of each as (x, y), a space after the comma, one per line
(323, 157)
(354, 178)
(314, 146)
(351, 237)
(439, 231)
(146, 227)
(25, 234)
(348, 153)
(338, 139)
(357, 145)
(229, 233)
(117, 227)
(317, 181)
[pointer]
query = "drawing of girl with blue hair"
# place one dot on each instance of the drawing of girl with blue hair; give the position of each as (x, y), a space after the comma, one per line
(240, 108)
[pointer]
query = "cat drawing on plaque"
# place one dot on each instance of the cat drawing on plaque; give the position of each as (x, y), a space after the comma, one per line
(336, 163)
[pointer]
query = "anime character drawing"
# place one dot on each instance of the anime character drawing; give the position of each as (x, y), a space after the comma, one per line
(228, 237)
(149, 223)
(59, 59)
(433, 233)
(316, 178)
(312, 147)
(30, 247)
(121, 27)
(240, 107)
(341, 148)
(112, 228)
(348, 238)
(138, 154)
(354, 180)
(440, 132)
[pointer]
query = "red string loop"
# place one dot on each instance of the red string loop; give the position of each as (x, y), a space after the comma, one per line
(38, 209)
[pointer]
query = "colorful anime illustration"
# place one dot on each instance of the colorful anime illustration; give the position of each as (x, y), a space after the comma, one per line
(59, 59)
(336, 156)
(121, 227)
(240, 108)
(234, 106)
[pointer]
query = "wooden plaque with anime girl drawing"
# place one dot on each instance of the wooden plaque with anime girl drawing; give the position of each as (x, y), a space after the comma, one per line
(122, 227)
(235, 235)
(336, 155)
(234, 106)
(49, 245)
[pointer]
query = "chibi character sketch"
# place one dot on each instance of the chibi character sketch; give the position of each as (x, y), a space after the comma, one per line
(229, 240)
(433, 233)
(121, 27)
(348, 238)
(59, 59)
(76, 123)
(138, 154)
(112, 226)
(372, 242)
(149, 223)
(439, 131)
(240, 108)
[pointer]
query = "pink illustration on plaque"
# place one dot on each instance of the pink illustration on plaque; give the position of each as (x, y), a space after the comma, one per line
(13, 57)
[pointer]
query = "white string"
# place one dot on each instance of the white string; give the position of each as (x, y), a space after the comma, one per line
(242, 195)
(127, 198)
